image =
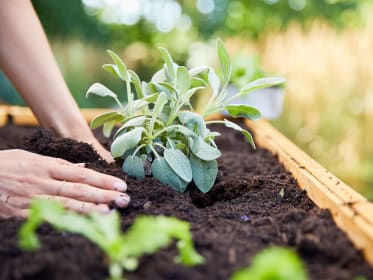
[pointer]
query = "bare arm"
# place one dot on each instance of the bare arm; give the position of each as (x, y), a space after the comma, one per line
(26, 58)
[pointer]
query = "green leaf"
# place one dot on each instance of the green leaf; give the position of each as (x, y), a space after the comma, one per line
(224, 61)
(108, 128)
(204, 173)
(137, 83)
(159, 104)
(197, 83)
(213, 81)
(113, 69)
(170, 65)
(183, 79)
(126, 141)
(122, 68)
(198, 70)
(163, 172)
(179, 163)
(261, 83)
(159, 76)
(193, 121)
(106, 117)
(130, 122)
(275, 263)
(247, 134)
(244, 111)
(100, 90)
(204, 151)
(134, 167)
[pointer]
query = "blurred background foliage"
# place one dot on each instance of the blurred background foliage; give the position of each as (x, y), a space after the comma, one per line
(323, 48)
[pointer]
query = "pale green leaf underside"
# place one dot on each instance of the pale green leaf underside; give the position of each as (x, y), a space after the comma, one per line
(126, 141)
(224, 61)
(105, 117)
(247, 134)
(100, 90)
(204, 151)
(262, 83)
(243, 111)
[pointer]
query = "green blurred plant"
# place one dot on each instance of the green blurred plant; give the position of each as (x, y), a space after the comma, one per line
(275, 263)
(158, 135)
(146, 236)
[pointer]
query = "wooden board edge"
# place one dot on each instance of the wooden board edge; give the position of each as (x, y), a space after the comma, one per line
(339, 199)
(4, 110)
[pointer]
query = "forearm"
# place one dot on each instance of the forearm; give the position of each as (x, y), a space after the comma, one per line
(27, 60)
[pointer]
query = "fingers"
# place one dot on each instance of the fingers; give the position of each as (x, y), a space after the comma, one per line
(84, 192)
(78, 206)
(77, 173)
(8, 210)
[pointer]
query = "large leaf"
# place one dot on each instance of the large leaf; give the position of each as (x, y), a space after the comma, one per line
(126, 141)
(183, 79)
(163, 172)
(133, 166)
(179, 163)
(224, 61)
(243, 111)
(122, 68)
(247, 134)
(105, 117)
(100, 90)
(204, 151)
(204, 173)
(262, 83)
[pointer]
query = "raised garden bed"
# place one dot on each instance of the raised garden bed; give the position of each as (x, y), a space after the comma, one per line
(244, 213)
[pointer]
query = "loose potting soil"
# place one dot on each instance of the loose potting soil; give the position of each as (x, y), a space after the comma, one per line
(255, 203)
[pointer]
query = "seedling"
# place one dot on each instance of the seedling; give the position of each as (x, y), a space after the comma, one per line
(146, 236)
(275, 263)
(160, 132)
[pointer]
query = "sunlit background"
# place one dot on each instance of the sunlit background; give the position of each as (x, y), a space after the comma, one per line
(323, 47)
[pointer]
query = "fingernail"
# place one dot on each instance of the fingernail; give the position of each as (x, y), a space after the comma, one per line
(122, 200)
(120, 186)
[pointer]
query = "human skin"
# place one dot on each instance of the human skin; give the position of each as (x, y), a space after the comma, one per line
(27, 60)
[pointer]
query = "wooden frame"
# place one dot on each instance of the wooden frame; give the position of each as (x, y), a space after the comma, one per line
(352, 212)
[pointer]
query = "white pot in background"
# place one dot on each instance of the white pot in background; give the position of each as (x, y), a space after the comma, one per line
(269, 101)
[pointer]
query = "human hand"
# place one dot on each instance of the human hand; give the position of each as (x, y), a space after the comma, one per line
(24, 176)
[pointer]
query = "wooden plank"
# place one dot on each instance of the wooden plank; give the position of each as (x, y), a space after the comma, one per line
(24, 116)
(351, 211)
(3, 114)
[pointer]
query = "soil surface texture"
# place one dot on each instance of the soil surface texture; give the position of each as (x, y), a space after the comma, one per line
(244, 213)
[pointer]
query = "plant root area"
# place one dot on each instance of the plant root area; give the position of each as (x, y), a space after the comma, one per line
(255, 203)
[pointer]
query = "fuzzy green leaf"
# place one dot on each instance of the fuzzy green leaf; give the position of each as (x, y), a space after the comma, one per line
(170, 65)
(204, 151)
(193, 121)
(108, 128)
(243, 111)
(261, 83)
(106, 117)
(204, 173)
(179, 163)
(213, 81)
(163, 172)
(133, 166)
(183, 79)
(122, 68)
(275, 263)
(197, 83)
(224, 61)
(247, 134)
(130, 122)
(113, 69)
(137, 83)
(159, 76)
(100, 90)
(126, 141)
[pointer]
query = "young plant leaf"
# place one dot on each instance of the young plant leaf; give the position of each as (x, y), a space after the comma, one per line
(247, 134)
(130, 122)
(213, 81)
(183, 79)
(243, 111)
(122, 68)
(274, 263)
(106, 117)
(159, 76)
(204, 151)
(193, 121)
(163, 172)
(204, 173)
(113, 69)
(170, 65)
(100, 90)
(179, 163)
(224, 61)
(261, 83)
(134, 166)
(137, 83)
(126, 141)
(108, 128)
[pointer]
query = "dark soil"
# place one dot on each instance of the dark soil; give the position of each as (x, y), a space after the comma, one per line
(243, 214)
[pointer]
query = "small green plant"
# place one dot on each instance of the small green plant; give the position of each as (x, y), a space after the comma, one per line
(160, 133)
(275, 263)
(147, 234)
